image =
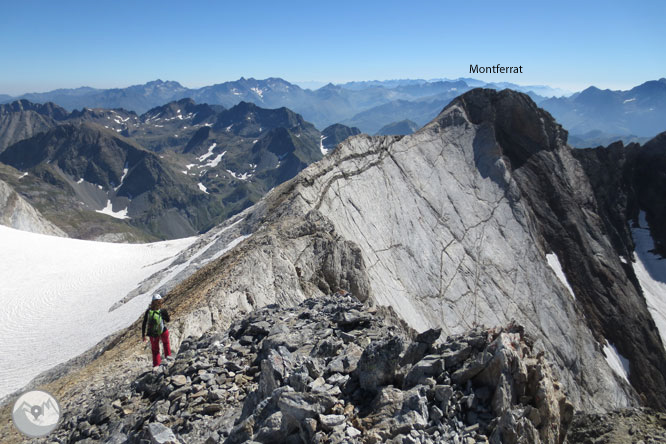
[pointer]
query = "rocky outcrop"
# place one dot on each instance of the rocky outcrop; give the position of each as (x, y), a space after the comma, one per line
(626, 181)
(15, 212)
(333, 370)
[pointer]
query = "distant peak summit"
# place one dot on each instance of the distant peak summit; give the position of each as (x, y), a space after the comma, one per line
(160, 85)
(159, 82)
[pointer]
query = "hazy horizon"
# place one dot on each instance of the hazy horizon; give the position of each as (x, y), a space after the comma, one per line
(571, 45)
(315, 84)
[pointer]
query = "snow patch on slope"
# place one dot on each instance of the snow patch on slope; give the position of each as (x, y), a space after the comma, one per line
(650, 270)
(209, 153)
(323, 150)
(258, 92)
(243, 176)
(56, 294)
(108, 210)
(215, 162)
(554, 263)
(122, 179)
(231, 245)
(616, 361)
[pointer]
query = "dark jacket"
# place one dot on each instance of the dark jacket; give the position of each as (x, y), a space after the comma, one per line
(165, 317)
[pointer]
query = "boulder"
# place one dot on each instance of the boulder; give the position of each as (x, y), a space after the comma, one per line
(378, 363)
(431, 365)
(160, 434)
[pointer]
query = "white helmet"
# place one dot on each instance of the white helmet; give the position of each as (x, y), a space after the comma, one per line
(156, 297)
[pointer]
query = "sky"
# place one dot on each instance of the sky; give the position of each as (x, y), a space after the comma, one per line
(107, 44)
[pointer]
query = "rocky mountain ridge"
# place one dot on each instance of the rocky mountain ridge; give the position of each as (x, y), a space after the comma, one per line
(483, 217)
(22, 119)
(452, 243)
(639, 110)
(591, 115)
(627, 180)
(172, 172)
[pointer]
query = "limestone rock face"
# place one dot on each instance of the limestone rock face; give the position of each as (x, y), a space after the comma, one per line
(15, 212)
(451, 227)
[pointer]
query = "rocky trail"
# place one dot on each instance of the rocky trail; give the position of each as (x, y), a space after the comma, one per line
(331, 370)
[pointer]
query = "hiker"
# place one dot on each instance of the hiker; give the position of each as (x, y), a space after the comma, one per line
(155, 319)
(342, 293)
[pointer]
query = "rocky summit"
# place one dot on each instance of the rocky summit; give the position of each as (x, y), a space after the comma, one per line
(332, 370)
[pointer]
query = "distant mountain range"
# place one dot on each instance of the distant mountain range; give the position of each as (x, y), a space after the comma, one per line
(174, 171)
(370, 105)
(640, 111)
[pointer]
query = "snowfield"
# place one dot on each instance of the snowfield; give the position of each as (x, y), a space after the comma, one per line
(56, 293)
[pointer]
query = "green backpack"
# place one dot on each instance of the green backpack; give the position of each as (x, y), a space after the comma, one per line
(155, 323)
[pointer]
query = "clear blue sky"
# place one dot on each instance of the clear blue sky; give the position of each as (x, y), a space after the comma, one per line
(570, 44)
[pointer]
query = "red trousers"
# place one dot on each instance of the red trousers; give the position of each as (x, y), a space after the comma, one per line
(155, 347)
